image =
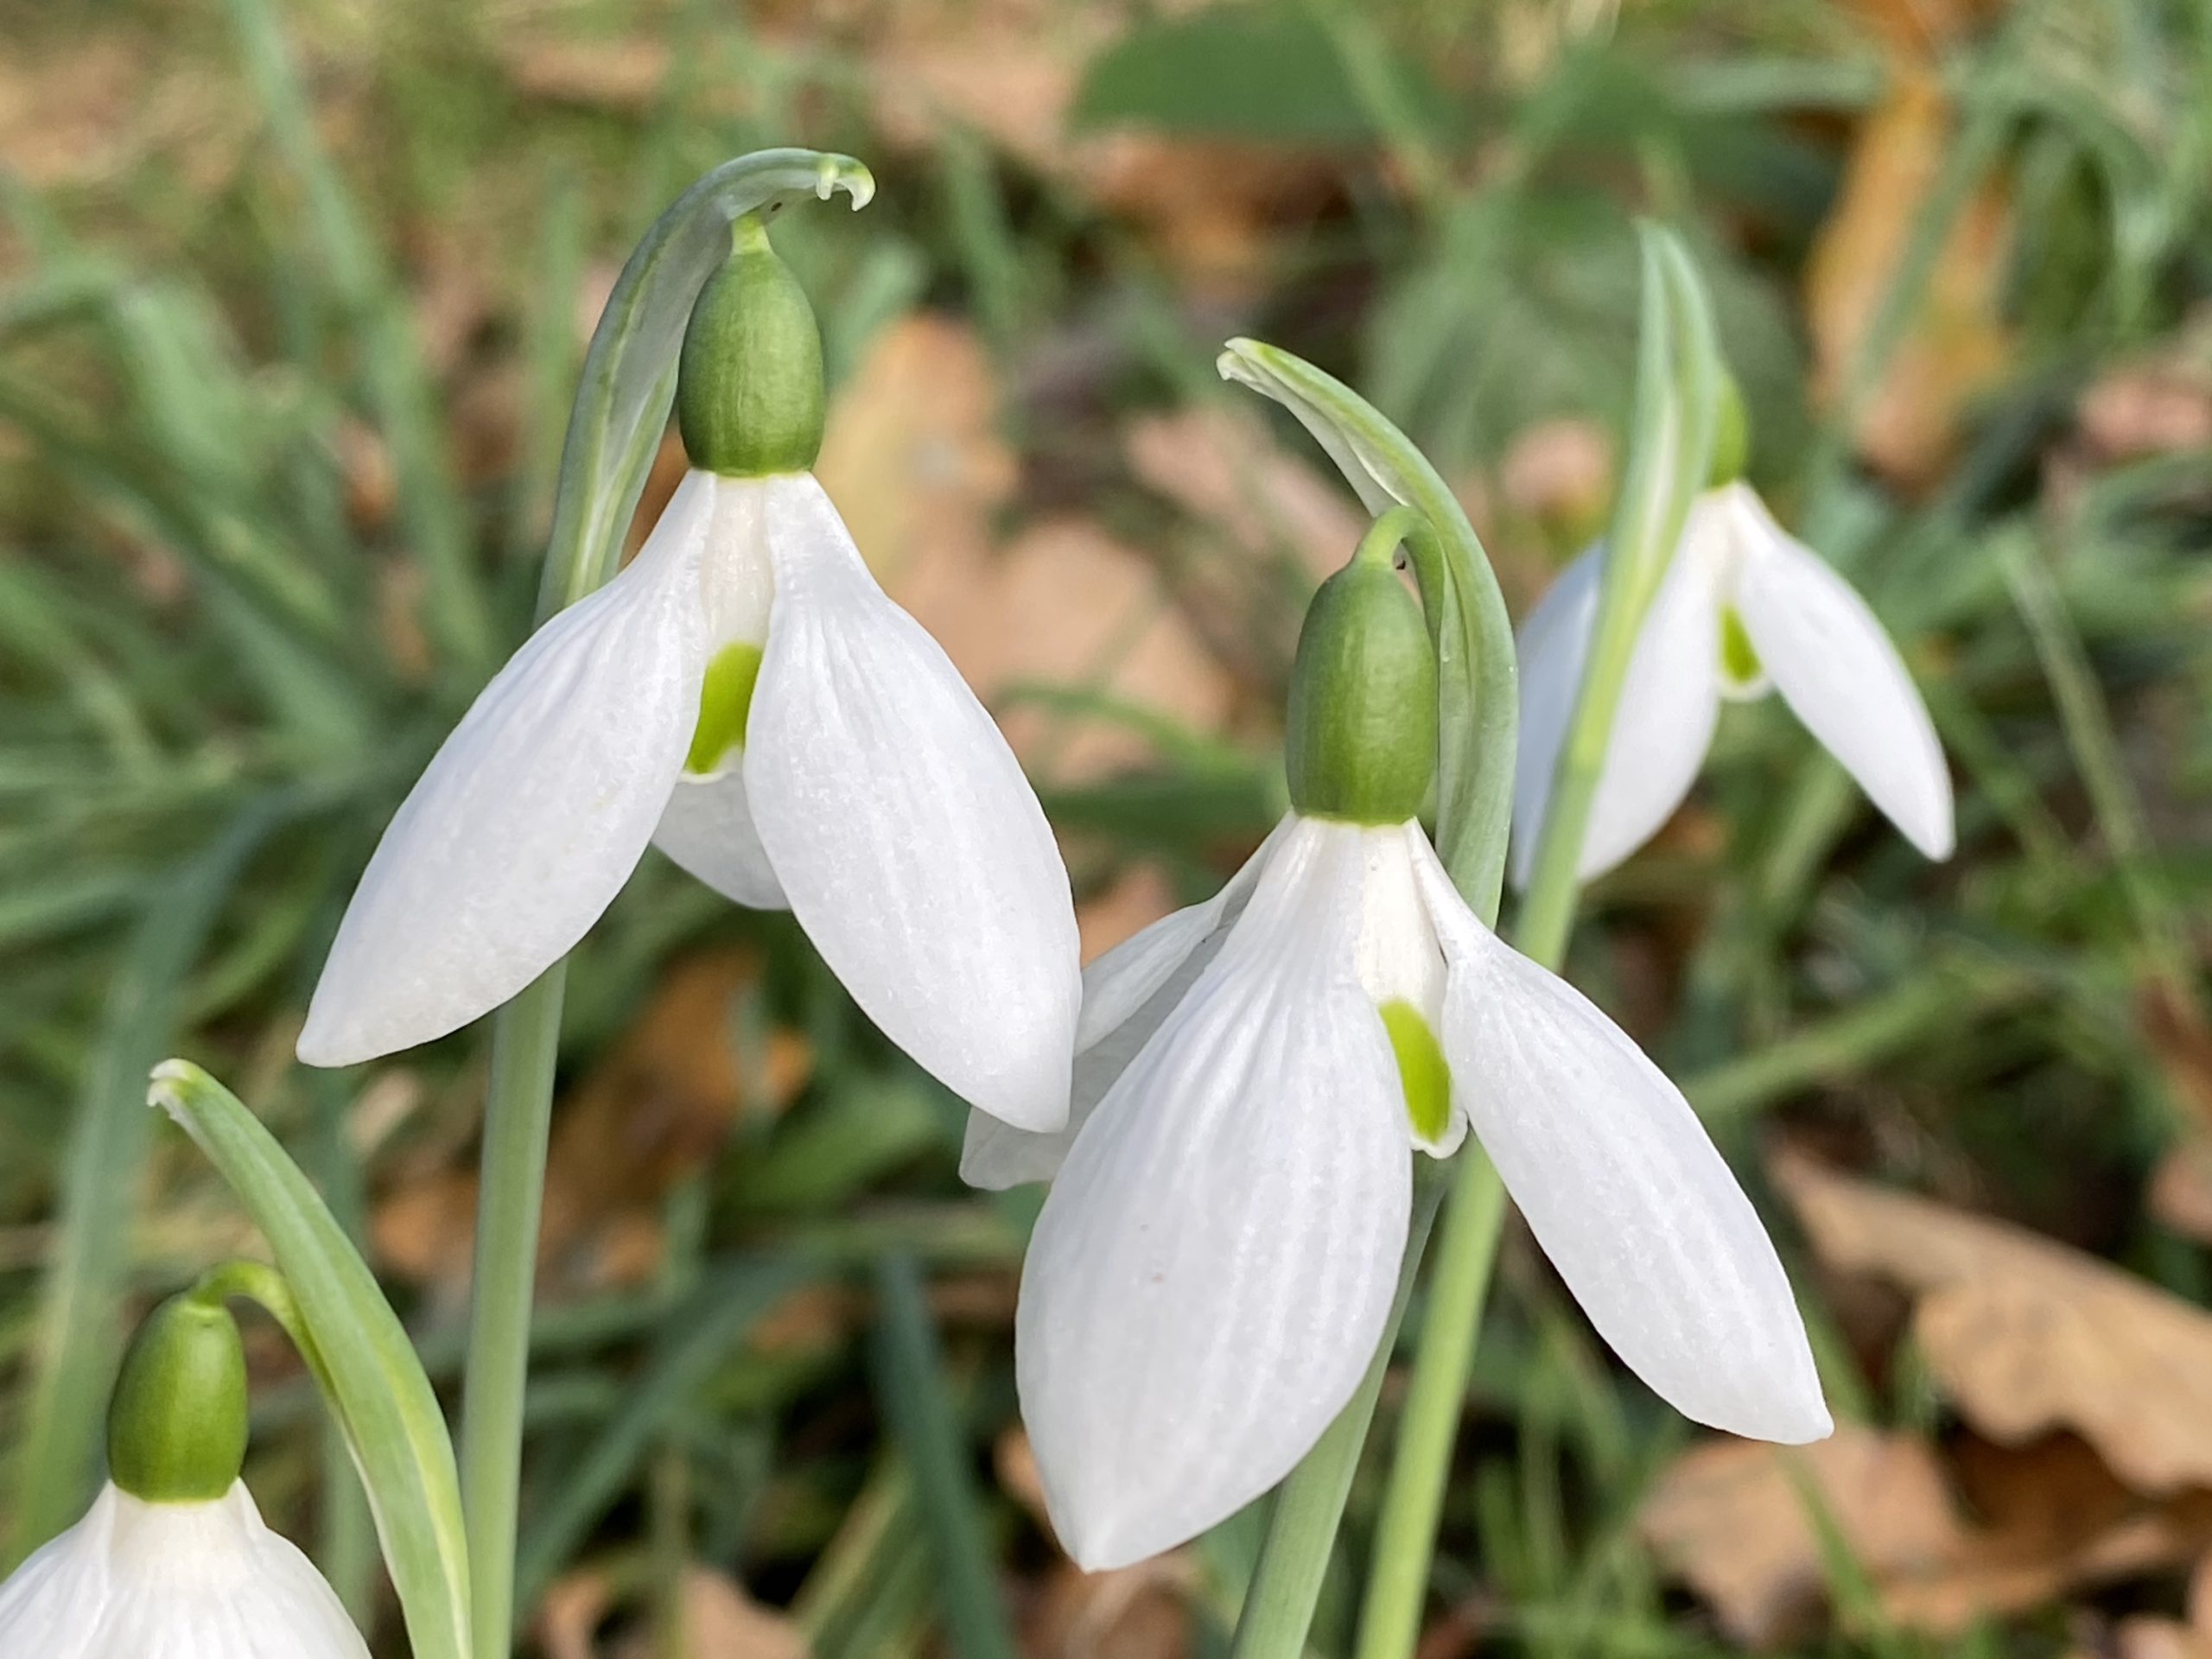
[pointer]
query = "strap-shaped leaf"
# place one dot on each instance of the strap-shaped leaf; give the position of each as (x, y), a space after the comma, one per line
(1477, 680)
(629, 374)
(360, 1354)
(1669, 455)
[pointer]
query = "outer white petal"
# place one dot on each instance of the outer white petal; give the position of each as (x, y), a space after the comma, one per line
(1127, 993)
(1214, 1266)
(1838, 672)
(1669, 703)
(137, 1580)
(530, 817)
(1623, 1189)
(914, 851)
(706, 828)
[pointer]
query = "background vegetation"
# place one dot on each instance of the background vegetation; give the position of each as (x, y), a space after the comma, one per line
(290, 306)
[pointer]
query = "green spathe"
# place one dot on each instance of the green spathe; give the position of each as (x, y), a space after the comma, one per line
(176, 1424)
(749, 385)
(1361, 739)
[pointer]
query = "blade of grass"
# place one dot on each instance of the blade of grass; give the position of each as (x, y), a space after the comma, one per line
(913, 1395)
(80, 1331)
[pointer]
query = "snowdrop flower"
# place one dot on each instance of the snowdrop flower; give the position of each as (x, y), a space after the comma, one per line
(173, 1560)
(1745, 607)
(1215, 1263)
(746, 697)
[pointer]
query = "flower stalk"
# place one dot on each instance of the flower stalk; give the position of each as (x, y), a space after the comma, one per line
(622, 406)
(1677, 399)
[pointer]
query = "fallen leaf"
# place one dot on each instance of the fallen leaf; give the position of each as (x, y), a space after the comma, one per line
(913, 459)
(1219, 464)
(1729, 1517)
(1066, 605)
(1732, 1517)
(650, 1114)
(2025, 1335)
(1955, 344)
(721, 1621)
(912, 456)
(1009, 71)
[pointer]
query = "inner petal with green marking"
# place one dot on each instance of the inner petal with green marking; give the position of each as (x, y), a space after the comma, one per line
(725, 699)
(1422, 1069)
(1742, 673)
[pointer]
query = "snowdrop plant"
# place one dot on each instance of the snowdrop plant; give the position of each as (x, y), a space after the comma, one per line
(1214, 1263)
(1743, 609)
(173, 1558)
(745, 696)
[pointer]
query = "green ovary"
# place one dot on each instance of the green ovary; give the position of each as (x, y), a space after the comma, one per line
(1739, 658)
(1422, 1069)
(725, 699)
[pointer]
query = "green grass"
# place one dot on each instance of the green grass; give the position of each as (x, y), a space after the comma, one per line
(259, 543)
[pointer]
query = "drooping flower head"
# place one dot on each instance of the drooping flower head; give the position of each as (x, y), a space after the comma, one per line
(745, 696)
(1743, 609)
(1215, 1263)
(173, 1560)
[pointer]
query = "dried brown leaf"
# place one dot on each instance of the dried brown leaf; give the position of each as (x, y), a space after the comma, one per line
(1220, 466)
(1955, 344)
(2026, 1335)
(1733, 1517)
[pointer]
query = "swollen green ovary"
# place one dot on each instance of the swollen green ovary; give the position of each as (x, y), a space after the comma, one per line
(1422, 1070)
(725, 699)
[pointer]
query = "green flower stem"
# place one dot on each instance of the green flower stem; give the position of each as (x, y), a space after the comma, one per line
(1677, 399)
(1478, 714)
(621, 410)
(518, 1120)
(1302, 1528)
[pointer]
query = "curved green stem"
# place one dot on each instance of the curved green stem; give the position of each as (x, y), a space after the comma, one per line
(1677, 397)
(621, 410)
(1480, 714)
(1302, 1526)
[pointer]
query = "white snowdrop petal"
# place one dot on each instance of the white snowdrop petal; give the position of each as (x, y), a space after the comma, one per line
(531, 815)
(1553, 643)
(1624, 1190)
(1214, 1265)
(1127, 993)
(1669, 705)
(1837, 670)
(707, 828)
(173, 1581)
(912, 848)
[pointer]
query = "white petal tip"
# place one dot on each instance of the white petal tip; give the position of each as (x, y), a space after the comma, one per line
(1797, 1423)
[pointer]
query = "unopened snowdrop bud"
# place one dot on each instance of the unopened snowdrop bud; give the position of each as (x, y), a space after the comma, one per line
(173, 1558)
(748, 386)
(1361, 738)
